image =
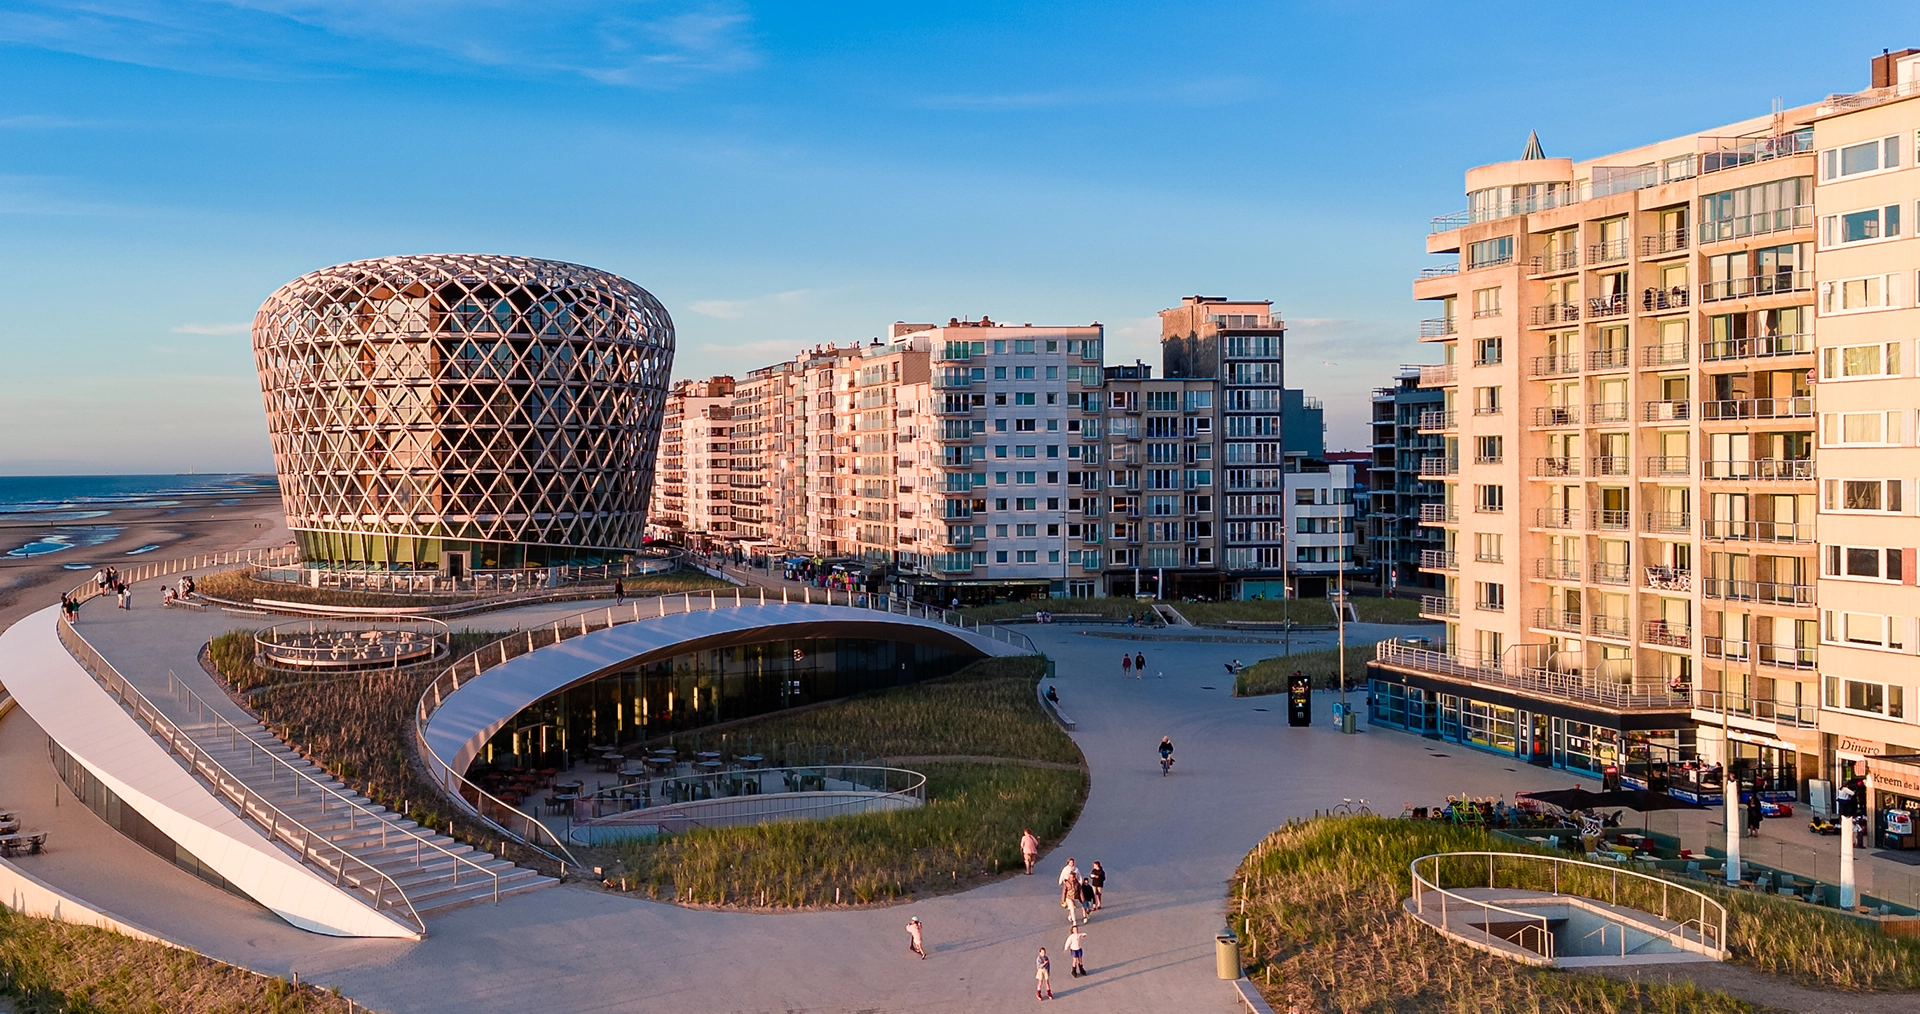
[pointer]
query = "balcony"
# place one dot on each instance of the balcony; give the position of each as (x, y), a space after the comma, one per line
(1757, 408)
(1601, 412)
(1439, 605)
(1787, 656)
(1668, 579)
(1439, 466)
(1607, 306)
(1667, 523)
(1777, 283)
(1556, 415)
(1434, 421)
(1609, 465)
(952, 380)
(1789, 714)
(1551, 314)
(1491, 605)
(1664, 355)
(1612, 573)
(1667, 466)
(1608, 359)
(1560, 518)
(1440, 271)
(1555, 467)
(1760, 223)
(1607, 251)
(1669, 635)
(1436, 327)
(1759, 347)
(1535, 681)
(1485, 312)
(1761, 470)
(1438, 559)
(1726, 648)
(1490, 507)
(1773, 593)
(1557, 619)
(1450, 221)
(1611, 521)
(1724, 530)
(1662, 243)
(1546, 568)
(1666, 410)
(1439, 514)
(1438, 376)
(1663, 300)
(1602, 625)
(1556, 365)
(1554, 263)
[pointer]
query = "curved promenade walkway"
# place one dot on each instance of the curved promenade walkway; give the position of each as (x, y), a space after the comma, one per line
(1169, 846)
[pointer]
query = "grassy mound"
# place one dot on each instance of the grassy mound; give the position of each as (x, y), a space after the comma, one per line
(1116, 608)
(53, 966)
(1269, 675)
(1307, 612)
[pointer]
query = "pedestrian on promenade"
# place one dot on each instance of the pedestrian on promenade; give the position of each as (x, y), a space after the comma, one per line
(1086, 899)
(123, 596)
(1126, 665)
(1076, 946)
(1140, 663)
(1029, 849)
(1042, 977)
(619, 592)
(1753, 814)
(1097, 876)
(1069, 872)
(914, 942)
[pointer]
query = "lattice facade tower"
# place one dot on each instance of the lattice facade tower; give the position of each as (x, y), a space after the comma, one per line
(463, 410)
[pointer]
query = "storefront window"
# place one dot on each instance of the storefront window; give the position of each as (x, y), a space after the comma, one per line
(1585, 747)
(1769, 769)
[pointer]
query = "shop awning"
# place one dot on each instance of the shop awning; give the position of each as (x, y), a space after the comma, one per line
(1898, 772)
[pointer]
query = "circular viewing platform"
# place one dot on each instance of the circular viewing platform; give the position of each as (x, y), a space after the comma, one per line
(346, 645)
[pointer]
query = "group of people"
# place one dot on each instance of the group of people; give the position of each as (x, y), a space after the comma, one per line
(175, 593)
(1134, 665)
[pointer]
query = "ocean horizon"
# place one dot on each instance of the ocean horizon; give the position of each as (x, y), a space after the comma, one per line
(33, 493)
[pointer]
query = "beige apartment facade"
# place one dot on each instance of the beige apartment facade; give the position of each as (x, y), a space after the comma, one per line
(1868, 389)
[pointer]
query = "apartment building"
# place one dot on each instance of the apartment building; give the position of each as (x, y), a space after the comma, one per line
(750, 475)
(1161, 524)
(1627, 426)
(1403, 436)
(1868, 306)
(696, 489)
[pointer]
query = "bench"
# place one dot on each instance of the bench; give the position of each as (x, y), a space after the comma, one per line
(32, 842)
(1053, 710)
(187, 604)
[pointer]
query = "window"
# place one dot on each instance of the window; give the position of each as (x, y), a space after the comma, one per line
(1854, 362)
(1864, 563)
(1865, 157)
(1163, 401)
(1486, 450)
(1162, 506)
(1252, 346)
(1197, 400)
(1486, 547)
(1490, 499)
(1487, 352)
(1023, 478)
(1053, 372)
(1023, 372)
(1000, 502)
(1023, 398)
(1757, 210)
(1026, 531)
(1024, 347)
(999, 373)
(1019, 425)
(1860, 226)
(1863, 495)
(1486, 401)
(1000, 556)
(999, 531)
(1870, 630)
(1486, 302)
(1839, 429)
(1860, 695)
(1025, 450)
(1853, 295)
(1489, 252)
(1490, 596)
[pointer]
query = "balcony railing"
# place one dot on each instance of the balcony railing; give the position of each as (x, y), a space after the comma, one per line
(1550, 314)
(1673, 241)
(1666, 410)
(1673, 579)
(1612, 573)
(1674, 354)
(1556, 415)
(1547, 264)
(1439, 605)
(1668, 465)
(1491, 605)
(1439, 514)
(1450, 221)
(1727, 648)
(1439, 466)
(1436, 420)
(1560, 518)
(1436, 327)
(1756, 285)
(1555, 467)
(1607, 412)
(1667, 522)
(1547, 568)
(1439, 559)
(1608, 359)
(1672, 635)
(1758, 408)
(1536, 681)
(1608, 465)
(1602, 625)
(1607, 251)
(1438, 376)
(1761, 470)
(1661, 300)
(1723, 530)
(1607, 306)
(1763, 346)
(1556, 366)
(1485, 312)
(1787, 656)
(1784, 713)
(1441, 270)
(1612, 520)
(1559, 619)
(1777, 593)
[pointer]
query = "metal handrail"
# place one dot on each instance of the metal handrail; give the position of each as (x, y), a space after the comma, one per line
(165, 568)
(521, 643)
(348, 870)
(1711, 937)
(915, 788)
(282, 645)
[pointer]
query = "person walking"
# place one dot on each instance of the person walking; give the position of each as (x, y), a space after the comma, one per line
(1097, 876)
(1069, 871)
(123, 596)
(1754, 815)
(1086, 899)
(1126, 665)
(1140, 664)
(1042, 977)
(914, 941)
(1029, 849)
(1076, 947)
(619, 592)
(1070, 900)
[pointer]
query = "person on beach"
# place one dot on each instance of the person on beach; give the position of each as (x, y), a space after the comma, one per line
(1076, 947)
(619, 592)
(1097, 876)
(1042, 977)
(1029, 849)
(914, 941)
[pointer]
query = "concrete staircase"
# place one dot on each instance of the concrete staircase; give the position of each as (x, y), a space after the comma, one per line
(432, 879)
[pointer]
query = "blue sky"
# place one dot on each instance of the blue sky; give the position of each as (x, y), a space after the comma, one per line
(783, 175)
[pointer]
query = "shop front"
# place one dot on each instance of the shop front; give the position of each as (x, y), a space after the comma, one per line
(1893, 799)
(1769, 766)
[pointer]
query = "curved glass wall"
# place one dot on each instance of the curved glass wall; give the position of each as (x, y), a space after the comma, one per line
(706, 687)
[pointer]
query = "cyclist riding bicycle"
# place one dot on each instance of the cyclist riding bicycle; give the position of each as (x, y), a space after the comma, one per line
(1166, 754)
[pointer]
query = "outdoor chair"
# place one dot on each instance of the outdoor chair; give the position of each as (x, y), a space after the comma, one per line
(1693, 870)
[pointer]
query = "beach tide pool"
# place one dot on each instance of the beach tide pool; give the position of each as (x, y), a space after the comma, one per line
(148, 548)
(67, 538)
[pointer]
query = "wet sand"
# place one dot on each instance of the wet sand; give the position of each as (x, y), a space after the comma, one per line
(197, 524)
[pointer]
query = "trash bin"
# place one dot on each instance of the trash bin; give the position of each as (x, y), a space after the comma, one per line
(1346, 720)
(1226, 954)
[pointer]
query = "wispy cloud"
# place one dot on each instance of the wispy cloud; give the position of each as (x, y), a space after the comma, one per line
(1202, 91)
(734, 309)
(214, 329)
(645, 43)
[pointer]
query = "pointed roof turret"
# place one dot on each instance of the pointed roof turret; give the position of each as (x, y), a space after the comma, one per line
(1533, 146)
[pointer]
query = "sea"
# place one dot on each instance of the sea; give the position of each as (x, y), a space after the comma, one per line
(41, 515)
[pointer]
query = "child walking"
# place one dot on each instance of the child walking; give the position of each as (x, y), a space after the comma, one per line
(1042, 977)
(914, 942)
(1076, 944)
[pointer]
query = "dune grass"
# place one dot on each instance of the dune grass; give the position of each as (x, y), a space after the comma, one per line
(1269, 675)
(1305, 612)
(48, 966)
(1116, 608)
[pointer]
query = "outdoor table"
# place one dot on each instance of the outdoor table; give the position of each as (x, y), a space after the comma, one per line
(630, 770)
(8, 826)
(709, 766)
(664, 751)
(752, 760)
(574, 786)
(707, 755)
(613, 760)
